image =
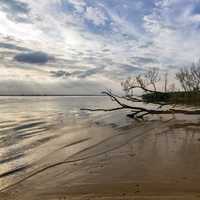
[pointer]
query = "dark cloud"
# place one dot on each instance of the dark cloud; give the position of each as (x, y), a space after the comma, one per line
(16, 10)
(79, 73)
(60, 74)
(12, 47)
(32, 57)
(90, 72)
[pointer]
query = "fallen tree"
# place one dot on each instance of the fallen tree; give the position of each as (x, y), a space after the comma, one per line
(162, 101)
(139, 112)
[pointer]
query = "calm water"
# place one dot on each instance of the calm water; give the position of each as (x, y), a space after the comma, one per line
(47, 143)
(28, 123)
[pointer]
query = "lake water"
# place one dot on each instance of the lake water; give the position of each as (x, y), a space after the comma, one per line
(49, 147)
(28, 125)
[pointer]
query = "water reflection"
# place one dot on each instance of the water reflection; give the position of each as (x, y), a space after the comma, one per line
(41, 134)
(26, 123)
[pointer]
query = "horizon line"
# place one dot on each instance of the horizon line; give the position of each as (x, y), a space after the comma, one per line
(1, 95)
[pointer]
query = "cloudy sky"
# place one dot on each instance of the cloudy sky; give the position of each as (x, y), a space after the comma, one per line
(85, 46)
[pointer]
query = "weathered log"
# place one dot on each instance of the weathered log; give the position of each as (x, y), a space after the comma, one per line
(138, 112)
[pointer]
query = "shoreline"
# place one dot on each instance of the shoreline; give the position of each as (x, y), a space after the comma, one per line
(149, 160)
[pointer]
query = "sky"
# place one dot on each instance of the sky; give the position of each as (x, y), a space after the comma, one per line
(86, 46)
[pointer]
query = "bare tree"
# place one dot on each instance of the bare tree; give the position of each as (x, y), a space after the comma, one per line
(165, 81)
(145, 82)
(153, 76)
(195, 73)
(142, 81)
(189, 78)
(182, 77)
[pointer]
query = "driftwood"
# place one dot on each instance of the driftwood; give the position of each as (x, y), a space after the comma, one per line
(139, 112)
(147, 83)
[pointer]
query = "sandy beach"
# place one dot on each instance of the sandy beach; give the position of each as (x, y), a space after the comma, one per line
(155, 159)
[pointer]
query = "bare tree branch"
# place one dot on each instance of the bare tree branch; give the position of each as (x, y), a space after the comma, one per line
(101, 109)
(139, 112)
(142, 81)
(189, 79)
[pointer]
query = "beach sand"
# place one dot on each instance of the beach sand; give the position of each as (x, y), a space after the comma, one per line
(157, 159)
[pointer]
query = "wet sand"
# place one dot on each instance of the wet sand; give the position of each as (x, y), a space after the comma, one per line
(157, 159)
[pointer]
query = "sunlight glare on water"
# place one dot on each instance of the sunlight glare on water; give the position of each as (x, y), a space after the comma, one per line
(28, 123)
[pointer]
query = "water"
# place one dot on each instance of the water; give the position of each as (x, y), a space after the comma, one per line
(31, 128)
(48, 145)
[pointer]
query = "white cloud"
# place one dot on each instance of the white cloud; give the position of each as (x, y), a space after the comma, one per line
(96, 15)
(99, 41)
(174, 31)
